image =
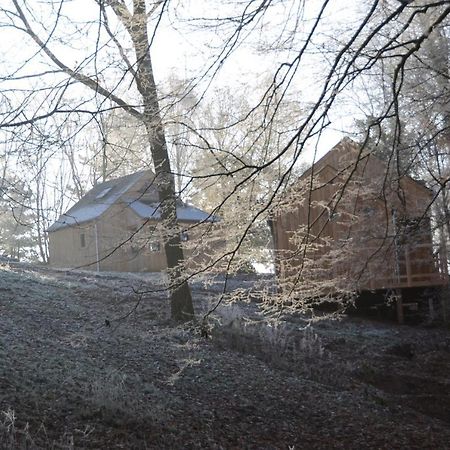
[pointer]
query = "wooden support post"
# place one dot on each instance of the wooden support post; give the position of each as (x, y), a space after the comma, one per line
(399, 303)
(408, 266)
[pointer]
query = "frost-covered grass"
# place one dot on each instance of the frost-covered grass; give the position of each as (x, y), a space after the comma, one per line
(67, 380)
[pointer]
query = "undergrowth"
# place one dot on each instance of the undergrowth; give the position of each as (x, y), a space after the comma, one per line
(273, 340)
(16, 437)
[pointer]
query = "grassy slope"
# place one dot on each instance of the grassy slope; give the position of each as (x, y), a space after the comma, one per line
(67, 380)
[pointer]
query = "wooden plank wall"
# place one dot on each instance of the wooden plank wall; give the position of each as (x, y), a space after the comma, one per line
(348, 223)
(118, 249)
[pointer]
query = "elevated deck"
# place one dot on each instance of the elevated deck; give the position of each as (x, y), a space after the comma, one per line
(408, 266)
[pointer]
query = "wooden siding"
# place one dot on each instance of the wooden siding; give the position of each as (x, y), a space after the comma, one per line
(66, 250)
(348, 225)
(125, 242)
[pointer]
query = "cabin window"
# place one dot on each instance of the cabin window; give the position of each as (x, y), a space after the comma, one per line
(419, 227)
(368, 211)
(184, 236)
(333, 215)
(83, 240)
(154, 246)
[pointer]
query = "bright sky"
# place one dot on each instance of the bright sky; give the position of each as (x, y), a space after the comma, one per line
(184, 51)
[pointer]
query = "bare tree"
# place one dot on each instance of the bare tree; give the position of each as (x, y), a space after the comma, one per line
(134, 22)
(310, 47)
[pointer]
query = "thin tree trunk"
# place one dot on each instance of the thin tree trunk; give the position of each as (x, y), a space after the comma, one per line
(276, 252)
(42, 244)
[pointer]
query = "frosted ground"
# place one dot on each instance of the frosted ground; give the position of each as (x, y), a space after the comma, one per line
(85, 364)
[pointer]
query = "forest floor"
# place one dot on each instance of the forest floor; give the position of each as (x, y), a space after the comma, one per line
(82, 365)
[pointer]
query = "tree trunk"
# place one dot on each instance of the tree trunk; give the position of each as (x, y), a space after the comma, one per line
(181, 301)
(136, 26)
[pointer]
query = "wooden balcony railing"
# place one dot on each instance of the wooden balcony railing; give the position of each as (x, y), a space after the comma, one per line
(410, 265)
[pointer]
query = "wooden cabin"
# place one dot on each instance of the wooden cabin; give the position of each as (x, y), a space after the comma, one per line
(351, 224)
(117, 226)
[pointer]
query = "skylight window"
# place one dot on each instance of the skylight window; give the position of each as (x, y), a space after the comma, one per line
(103, 193)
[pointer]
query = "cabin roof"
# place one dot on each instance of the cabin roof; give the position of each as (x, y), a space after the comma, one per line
(347, 145)
(185, 212)
(102, 196)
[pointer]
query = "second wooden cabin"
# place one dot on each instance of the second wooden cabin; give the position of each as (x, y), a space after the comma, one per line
(350, 224)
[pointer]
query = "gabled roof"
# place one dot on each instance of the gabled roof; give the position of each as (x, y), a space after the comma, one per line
(102, 196)
(185, 212)
(351, 154)
(323, 161)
